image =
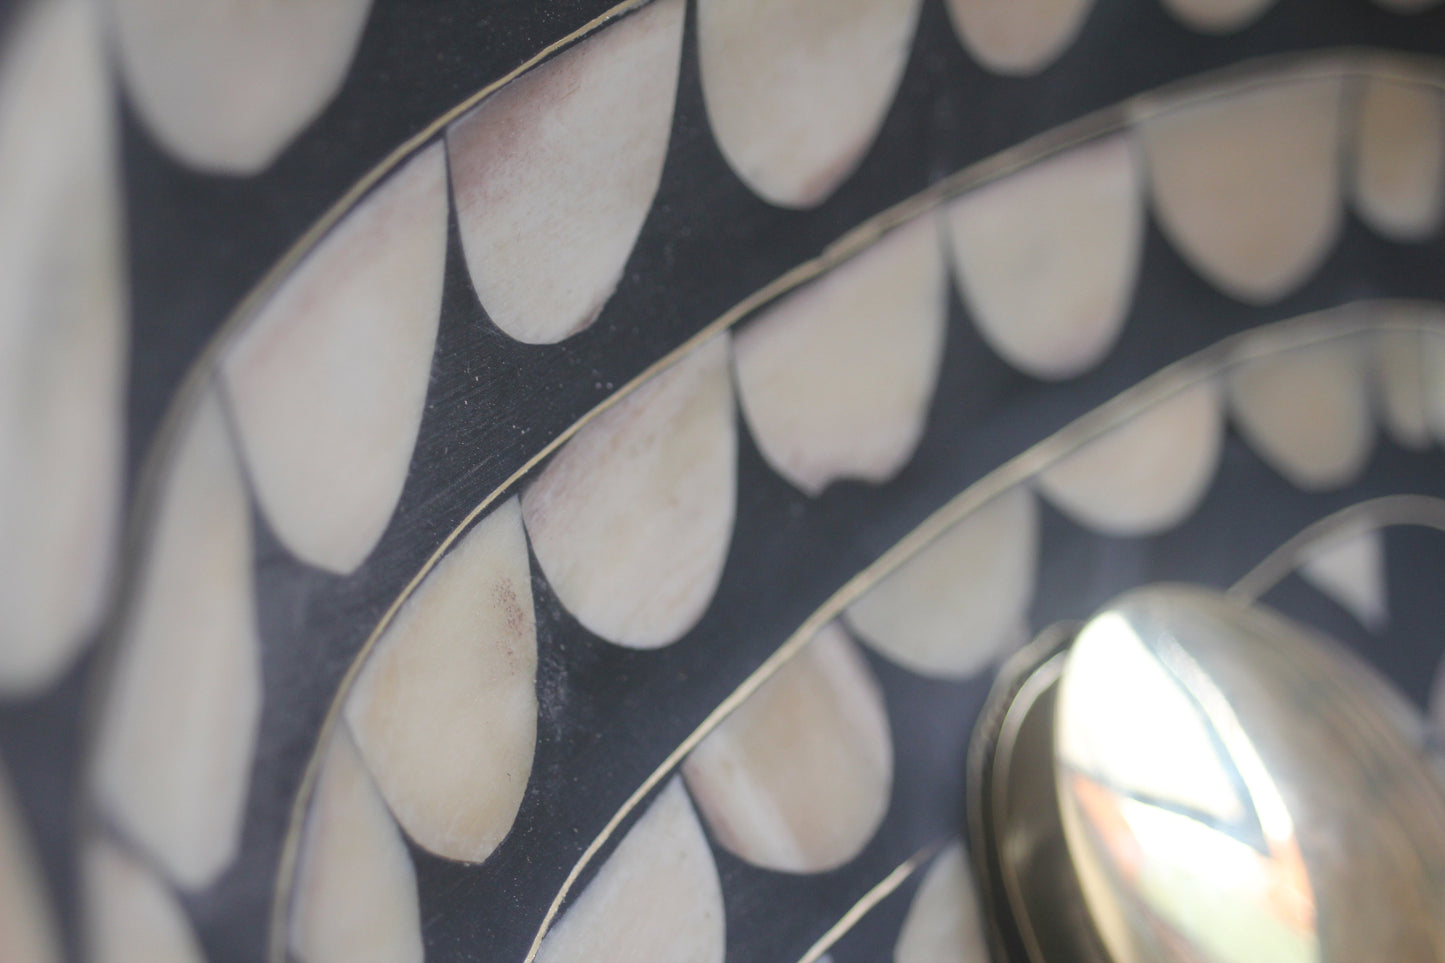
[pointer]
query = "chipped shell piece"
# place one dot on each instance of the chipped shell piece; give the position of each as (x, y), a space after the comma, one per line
(178, 729)
(328, 382)
(796, 90)
(1246, 183)
(355, 896)
(962, 601)
(1047, 257)
(943, 924)
(554, 174)
(632, 518)
(1398, 178)
(63, 334)
(1350, 569)
(1017, 37)
(1146, 475)
(445, 709)
(798, 777)
(656, 899)
(836, 378)
(1306, 411)
(225, 85)
(131, 916)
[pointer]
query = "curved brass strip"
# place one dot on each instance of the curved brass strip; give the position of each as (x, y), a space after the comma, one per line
(879, 892)
(847, 245)
(1390, 510)
(1310, 329)
(1425, 511)
(1352, 62)
(245, 310)
(1049, 143)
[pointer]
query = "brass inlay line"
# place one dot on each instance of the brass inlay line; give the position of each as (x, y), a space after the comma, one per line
(1347, 63)
(208, 360)
(880, 891)
(1362, 719)
(854, 241)
(1304, 331)
(1022, 466)
(1425, 511)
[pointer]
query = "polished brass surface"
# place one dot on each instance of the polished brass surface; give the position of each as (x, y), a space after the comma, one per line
(1034, 858)
(1199, 780)
(1033, 908)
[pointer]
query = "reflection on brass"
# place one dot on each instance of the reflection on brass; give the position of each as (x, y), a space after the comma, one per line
(1193, 779)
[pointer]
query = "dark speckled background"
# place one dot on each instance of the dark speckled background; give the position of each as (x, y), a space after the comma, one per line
(609, 715)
